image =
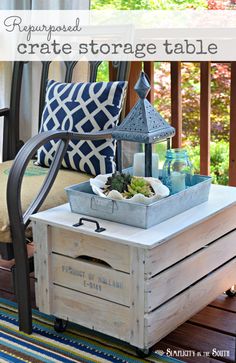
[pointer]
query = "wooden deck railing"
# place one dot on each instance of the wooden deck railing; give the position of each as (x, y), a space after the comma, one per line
(205, 110)
(232, 137)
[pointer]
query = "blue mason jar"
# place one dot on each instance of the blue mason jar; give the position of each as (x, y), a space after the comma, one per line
(177, 170)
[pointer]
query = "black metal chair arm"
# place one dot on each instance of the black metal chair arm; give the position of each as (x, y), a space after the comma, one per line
(103, 134)
(18, 221)
(20, 164)
(4, 112)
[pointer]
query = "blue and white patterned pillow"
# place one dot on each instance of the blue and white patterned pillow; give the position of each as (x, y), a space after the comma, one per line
(82, 107)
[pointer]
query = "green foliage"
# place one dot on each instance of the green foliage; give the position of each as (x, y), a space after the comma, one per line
(103, 72)
(220, 162)
(160, 149)
(219, 159)
(128, 185)
(139, 185)
(148, 4)
(220, 100)
(118, 182)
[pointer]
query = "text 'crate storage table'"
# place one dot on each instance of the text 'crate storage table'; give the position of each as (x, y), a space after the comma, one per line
(134, 284)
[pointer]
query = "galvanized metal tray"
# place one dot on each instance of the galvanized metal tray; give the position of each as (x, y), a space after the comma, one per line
(83, 201)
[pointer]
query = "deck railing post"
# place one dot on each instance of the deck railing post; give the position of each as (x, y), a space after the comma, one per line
(232, 138)
(132, 97)
(149, 70)
(176, 103)
(205, 123)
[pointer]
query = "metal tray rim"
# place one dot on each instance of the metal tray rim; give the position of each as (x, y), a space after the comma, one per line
(207, 179)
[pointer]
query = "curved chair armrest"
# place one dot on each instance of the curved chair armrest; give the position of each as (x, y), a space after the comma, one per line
(103, 134)
(18, 221)
(20, 164)
(4, 112)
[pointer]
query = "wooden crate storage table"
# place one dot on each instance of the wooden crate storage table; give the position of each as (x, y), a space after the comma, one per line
(134, 284)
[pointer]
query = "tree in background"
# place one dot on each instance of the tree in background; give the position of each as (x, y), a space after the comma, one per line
(215, 5)
(163, 4)
(148, 4)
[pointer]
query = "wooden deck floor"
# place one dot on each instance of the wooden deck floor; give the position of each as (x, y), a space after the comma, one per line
(211, 332)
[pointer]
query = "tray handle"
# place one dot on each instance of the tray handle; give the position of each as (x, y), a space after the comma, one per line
(98, 228)
(103, 204)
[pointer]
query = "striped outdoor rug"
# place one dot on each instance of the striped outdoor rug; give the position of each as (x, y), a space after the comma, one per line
(77, 344)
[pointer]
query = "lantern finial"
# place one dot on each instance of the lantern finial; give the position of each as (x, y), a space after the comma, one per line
(142, 87)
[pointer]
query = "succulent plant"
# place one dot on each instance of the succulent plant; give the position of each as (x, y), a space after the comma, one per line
(139, 185)
(118, 181)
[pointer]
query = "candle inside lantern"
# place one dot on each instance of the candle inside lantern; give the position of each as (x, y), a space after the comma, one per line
(139, 165)
(177, 181)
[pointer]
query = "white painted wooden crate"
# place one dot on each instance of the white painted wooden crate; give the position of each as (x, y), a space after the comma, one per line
(133, 284)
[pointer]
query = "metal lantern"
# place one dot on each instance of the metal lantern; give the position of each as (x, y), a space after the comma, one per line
(144, 124)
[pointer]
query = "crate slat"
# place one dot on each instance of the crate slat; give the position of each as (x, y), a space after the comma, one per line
(80, 244)
(137, 297)
(43, 272)
(189, 241)
(186, 272)
(172, 314)
(91, 312)
(91, 278)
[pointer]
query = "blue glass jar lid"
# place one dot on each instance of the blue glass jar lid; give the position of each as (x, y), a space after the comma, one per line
(176, 153)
